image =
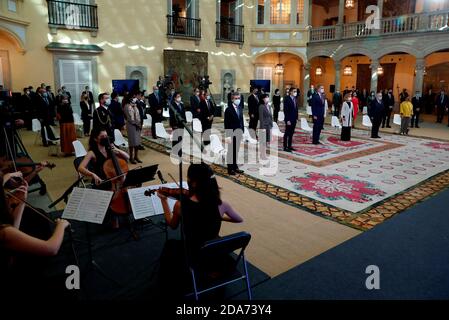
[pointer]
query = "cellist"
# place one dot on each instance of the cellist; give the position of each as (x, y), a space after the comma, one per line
(93, 163)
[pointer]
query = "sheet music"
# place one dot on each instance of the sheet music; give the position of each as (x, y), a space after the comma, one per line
(88, 205)
(141, 205)
(144, 207)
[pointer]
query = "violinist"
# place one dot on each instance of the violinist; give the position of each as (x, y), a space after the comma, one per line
(17, 244)
(97, 156)
(201, 217)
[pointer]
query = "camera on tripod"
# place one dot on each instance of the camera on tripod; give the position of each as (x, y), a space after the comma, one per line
(204, 83)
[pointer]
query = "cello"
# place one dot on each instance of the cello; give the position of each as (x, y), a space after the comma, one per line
(115, 170)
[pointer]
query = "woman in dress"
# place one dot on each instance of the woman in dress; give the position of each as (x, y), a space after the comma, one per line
(355, 105)
(86, 113)
(67, 126)
(134, 128)
(347, 112)
(266, 124)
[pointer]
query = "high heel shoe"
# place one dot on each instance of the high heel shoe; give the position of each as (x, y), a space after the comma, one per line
(138, 160)
(132, 161)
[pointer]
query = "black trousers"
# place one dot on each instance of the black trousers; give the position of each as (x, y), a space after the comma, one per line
(288, 135)
(276, 114)
(86, 125)
(232, 154)
(440, 114)
(376, 121)
(253, 125)
(317, 127)
(415, 119)
(386, 118)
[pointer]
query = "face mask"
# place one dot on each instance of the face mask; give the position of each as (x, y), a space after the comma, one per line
(237, 102)
(108, 102)
(156, 91)
(208, 97)
(27, 92)
(321, 91)
(178, 100)
(372, 95)
(134, 100)
(266, 100)
(295, 94)
(104, 142)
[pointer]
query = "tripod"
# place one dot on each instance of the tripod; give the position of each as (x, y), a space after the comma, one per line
(14, 150)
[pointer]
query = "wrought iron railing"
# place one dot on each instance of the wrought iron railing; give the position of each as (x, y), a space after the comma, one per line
(229, 32)
(72, 15)
(184, 27)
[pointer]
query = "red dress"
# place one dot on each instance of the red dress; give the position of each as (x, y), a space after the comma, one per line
(355, 103)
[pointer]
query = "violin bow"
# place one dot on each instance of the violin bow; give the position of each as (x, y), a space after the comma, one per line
(10, 193)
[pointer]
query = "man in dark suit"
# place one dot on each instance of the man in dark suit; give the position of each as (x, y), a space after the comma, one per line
(90, 96)
(418, 106)
(207, 111)
(429, 99)
(233, 123)
(116, 111)
(337, 101)
(195, 103)
(318, 110)
(66, 93)
(156, 107)
(310, 94)
(291, 117)
(43, 114)
(441, 104)
(52, 104)
(102, 118)
(376, 112)
(242, 100)
(175, 122)
(253, 111)
(388, 101)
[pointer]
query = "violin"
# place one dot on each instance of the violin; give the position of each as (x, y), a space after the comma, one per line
(115, 170)
(175, 193)
(26, 166)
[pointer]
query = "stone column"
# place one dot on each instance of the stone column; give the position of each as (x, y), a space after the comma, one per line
(374, 65)
(337, 65)
(266, 18)
(306, 83)
(293, 12)
(419, 78)
(341, 14)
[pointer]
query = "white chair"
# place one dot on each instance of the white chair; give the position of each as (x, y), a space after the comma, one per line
(53, 145)
(397, 119)
(367, 121)
(36, 127)
(309, 111)
(80, 151)
(245, 122)
(365, 110)
(305, 125)
(57, 137)
(147, 123)
(120, 141)
(161, 132)
(166, 113)
(247, 137)
(335, 122)
(216, 146)
(276, 131)
(77, 119)
(281, 116)
(189, 117)
(197, 127)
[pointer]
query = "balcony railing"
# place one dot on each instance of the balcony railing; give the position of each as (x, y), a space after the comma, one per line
(72, 15)
(322, 34)
(183, 27)
(229, 32)
(423, 22)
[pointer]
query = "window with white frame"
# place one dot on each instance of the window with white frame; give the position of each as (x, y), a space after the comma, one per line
(12, 5)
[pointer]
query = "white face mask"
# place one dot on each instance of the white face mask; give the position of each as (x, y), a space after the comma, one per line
(321, 91)
(266, 100)
(208, 97)
(178, 100)
(134, 100)
(108, 102)
(237, 102)
(295, 94)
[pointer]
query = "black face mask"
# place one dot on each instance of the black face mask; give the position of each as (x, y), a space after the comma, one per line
(104, 142)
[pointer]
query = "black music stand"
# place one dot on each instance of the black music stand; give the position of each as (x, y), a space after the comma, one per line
(139, 176)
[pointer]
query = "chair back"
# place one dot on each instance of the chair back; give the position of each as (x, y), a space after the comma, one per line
(281, 116)
(197, 127)
(160, 131)
(309, 110)
(397, 119)
(166, 113)
(305, 125)
(189, 117)
(119, 139)
(147, 123)
(215, 144)
(36, 125)
(225, 245)
(77, 119)
(367, 121)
